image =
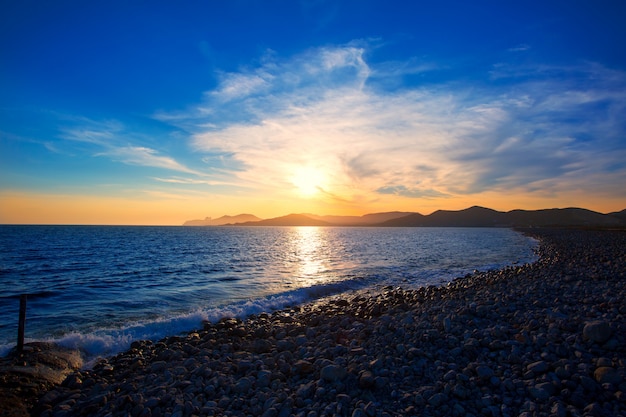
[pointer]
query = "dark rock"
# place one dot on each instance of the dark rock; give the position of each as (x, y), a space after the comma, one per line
(333, 373)
(484, 372)
(303, 367)
(243, 385)
(367, 380)
(437, 399)
(262, 346)
(607, 375)
(597, 331)
(538, 368)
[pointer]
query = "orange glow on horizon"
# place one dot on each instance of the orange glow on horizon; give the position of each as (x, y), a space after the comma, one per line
(33, 208)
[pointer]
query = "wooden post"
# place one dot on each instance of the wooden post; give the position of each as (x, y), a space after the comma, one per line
(20, 328)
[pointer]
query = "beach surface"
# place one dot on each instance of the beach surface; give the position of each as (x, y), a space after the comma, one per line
(541, 339)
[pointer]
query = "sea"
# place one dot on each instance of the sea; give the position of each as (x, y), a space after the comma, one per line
(99, 288)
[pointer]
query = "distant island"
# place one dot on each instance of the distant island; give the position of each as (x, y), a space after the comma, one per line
(471, 217)
(224, 220)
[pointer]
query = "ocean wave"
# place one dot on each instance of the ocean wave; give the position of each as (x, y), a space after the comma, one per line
(30, 295)
(110, 341)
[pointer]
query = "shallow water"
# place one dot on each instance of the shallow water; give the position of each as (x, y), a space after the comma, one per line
(101, 287)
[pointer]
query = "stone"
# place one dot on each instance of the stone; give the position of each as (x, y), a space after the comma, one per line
(546, 386)
(538, 367)
(607, 375)
(450, 376)
(306, 390)
(588, 384)
(262, 346)
(263, 378)
(437, 399)
(285, 345)
(594, 409)
(303, 367)
(539, 394)
(370, 409)
(559, 410)
(367, 380)
(333, 373)
(597, 331)
(358, 412)
(484, 372)
(243, 385)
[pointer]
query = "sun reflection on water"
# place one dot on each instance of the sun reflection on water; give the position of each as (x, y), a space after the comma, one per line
(310, 249)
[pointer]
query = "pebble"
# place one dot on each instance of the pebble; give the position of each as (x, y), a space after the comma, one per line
(597, 331)
(538, 367)
(541, 339)
(607, 375)
(333, 373)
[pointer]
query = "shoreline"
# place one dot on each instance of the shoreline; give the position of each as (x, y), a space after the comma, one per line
(536, 339)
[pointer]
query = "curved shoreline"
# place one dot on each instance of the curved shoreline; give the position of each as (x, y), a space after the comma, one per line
(547, 338)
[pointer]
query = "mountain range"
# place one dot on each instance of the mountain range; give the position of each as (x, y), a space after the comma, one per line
(224, 220)
(471, 217)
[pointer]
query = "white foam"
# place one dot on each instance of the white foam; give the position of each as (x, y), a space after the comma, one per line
(5, 349)
(108, 342)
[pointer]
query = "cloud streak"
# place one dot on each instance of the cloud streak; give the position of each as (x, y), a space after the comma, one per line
(141, 156)
(108, 136)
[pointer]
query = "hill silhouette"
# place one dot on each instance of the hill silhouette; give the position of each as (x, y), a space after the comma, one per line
(475, 216)
(365, 220)
(484, 217)
(619, 214)
(289, 220)
(223, 220)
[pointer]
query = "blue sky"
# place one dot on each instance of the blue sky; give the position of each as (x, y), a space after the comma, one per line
(157, 112)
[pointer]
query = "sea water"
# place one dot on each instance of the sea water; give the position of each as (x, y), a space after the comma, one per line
(98, 288)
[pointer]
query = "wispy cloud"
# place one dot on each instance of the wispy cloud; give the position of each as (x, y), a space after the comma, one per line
(401, 190)
(108, 138)
(193, 181)
(549, 128)
(137, 155)
(102, 133)
(520, 48)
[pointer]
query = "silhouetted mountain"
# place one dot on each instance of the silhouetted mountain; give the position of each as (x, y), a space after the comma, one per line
(365, 220)
(289, 220)
(560, 217)
(471, 217)
(619, 215)
(412, 220)
(240, 218)
(484, 217)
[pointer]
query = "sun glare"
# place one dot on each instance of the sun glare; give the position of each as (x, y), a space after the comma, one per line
(308, 181)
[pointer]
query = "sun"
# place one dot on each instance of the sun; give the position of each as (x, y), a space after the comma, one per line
(308, 181)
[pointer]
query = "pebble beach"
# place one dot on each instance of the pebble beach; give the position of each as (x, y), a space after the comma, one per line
(540, 339)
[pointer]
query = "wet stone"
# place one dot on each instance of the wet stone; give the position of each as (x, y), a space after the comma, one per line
(484, 372)
(367, 380)
(539, 367)
(304, 367)
(262, 346)
(597, 331)
(333, 373)
(243, 385)
(607, 375)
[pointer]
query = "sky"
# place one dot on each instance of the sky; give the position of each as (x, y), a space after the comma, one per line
(158, 112)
